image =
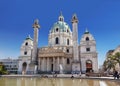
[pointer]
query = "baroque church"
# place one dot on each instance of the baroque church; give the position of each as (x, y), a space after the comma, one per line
(63, 53)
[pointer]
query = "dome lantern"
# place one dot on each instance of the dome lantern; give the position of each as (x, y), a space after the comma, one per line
(29, 37)
(86, 32)
(60, 25)
(61, 18)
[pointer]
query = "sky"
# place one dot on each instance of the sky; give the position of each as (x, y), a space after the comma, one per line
(101, 17)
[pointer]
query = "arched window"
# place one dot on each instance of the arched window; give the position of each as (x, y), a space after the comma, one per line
(60, 19)
(25, 53)
(68, 61)
(56, 29)
(57, 40)
(67, 31)
(67, 50)
(74, 17)
(67, 41)
(26, 43)
(88, 49)
(87, 38)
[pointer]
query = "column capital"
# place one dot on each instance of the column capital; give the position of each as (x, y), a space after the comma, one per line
(36, 24)
(74, 19)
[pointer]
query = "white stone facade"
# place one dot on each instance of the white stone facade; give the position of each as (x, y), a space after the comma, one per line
(62, 32)
(63, 53)
(88, 52)
(25, 55)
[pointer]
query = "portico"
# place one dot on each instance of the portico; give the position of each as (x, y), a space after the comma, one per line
(50, 59)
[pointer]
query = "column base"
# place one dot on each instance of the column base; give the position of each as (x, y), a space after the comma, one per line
(33, 68)
(76, 67)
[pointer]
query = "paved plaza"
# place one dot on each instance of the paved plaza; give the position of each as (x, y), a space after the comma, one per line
(62, 76)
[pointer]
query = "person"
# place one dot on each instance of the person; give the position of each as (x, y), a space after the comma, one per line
(118, 75)
(80, 74)
(72, 76)
(115, 74)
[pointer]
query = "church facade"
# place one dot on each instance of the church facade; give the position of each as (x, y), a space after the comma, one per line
(63, 53)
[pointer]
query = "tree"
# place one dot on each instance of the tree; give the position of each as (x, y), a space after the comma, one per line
(110, 63)
(3, 69)
(117, 57)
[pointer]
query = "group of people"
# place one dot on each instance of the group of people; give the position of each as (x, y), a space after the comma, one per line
(116, 74)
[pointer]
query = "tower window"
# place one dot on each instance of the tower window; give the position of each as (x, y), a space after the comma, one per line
(74, 17)
(67, 50)
(87, 49)
(67, 31)
(57, 40)
(60, 19)
(26, 43)
(56, 29)
(87, 38)
(25, 53)
(67, 41)
(68, 61)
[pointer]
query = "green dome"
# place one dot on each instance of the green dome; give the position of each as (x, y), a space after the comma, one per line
(28, 38)
(61, 26)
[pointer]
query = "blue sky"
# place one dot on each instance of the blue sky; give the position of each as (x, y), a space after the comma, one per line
(101, 17)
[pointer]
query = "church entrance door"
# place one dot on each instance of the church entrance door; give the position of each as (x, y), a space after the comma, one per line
(24, 66)
(89, 66)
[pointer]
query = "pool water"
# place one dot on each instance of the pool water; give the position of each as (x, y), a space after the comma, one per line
(55, 82)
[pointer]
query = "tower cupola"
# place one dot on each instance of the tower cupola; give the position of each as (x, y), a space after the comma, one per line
(86, 32)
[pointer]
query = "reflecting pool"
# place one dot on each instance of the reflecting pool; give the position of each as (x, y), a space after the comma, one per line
(55, 82)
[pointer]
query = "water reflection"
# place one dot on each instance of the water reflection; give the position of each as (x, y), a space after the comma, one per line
(54, 82)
